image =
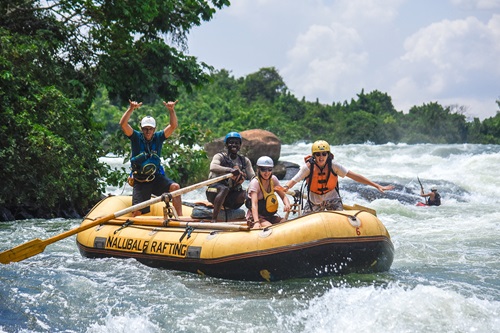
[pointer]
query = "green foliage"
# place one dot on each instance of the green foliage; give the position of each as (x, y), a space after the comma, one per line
(53, 57)
(262, 100)
(47, 165)
(185, 160)
(266, 84)
(69, 67)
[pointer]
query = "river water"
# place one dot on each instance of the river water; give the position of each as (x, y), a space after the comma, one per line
(445, 276)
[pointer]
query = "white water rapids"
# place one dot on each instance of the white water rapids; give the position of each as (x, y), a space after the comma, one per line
(445, 276)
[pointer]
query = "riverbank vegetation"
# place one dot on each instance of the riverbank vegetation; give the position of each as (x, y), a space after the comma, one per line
(68, 69)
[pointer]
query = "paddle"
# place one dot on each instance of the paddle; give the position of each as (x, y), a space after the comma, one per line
(422, 188)
(37, 246)
(211, 226)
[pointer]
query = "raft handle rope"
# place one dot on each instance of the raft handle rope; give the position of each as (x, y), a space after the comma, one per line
(169, 211)
(295, 208)
(124, 225)
(354, 221)
(188, 231)
(303, 195)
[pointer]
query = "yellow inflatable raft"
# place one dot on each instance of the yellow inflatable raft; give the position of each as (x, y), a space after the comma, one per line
(314, 245)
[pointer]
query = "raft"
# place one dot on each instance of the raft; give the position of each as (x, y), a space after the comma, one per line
(309, 246)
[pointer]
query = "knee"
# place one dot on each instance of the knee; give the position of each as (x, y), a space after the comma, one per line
(174, 187)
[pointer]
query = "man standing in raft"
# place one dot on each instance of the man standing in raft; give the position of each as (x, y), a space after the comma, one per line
(322, 179)
(147, 171)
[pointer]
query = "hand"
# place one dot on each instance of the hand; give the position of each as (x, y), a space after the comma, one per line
(286, 208)
(236, 172)
(280, 188)
(385, 188)
(134, 105)
(170, 105)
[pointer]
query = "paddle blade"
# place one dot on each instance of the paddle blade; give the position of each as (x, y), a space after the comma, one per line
(22, 251)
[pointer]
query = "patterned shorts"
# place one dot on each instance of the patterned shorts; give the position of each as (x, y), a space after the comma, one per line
(334, 204)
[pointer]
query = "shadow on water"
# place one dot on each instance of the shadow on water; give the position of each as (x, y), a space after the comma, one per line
(304, 289)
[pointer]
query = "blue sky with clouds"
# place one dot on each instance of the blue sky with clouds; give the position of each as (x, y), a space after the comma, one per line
(417, 51)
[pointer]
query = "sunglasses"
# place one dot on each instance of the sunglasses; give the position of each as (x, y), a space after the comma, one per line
(266, 169)
(321, 154)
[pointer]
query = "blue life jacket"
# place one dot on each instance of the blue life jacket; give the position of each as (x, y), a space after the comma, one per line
(147, 163)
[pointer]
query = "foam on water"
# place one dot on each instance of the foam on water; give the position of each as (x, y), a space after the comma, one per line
(445, 275)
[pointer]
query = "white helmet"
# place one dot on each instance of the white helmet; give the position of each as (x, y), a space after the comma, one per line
(265, 161)
(148, 121)
(434, 188)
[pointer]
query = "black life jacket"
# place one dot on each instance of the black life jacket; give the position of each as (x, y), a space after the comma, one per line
(228, 163)
(436, 201)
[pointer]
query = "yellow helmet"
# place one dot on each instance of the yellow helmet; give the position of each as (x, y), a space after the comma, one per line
(320, 146)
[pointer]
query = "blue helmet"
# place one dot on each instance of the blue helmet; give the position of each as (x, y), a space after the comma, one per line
(232, 135)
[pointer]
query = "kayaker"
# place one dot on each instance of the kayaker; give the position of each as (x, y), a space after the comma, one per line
(261, 200)
(148, 176)
(433, 197)
(229, 193)
(321, 173)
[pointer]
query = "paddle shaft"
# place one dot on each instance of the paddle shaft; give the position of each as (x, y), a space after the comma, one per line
(422, 188)
(211, 226)
(37, 246)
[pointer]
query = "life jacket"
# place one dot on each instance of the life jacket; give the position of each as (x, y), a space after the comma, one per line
(267, 206)
(321, 181)
(147, 163)
(436, 201)
(228, 163)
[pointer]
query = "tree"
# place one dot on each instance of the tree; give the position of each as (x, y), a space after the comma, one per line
(54, 55)
(266, 84)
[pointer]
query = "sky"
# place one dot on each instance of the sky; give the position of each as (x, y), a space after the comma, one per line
(416, 51)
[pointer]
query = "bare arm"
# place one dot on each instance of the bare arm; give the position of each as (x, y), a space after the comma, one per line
(167, 131)
(430, 194)
(255, 206)
(291, 183)
(285, 200)
(303, 173)
(363, 180)
(126, 128)
(216, 167)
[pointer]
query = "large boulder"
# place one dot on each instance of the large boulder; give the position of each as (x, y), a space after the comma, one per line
(256, 143)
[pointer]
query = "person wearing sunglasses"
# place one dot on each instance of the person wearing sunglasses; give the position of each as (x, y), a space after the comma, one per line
(261, 198)
(229, 193)
(321, 173)
(148, 176)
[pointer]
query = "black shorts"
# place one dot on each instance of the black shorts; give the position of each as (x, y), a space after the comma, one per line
(143, 191)
(233, 199)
